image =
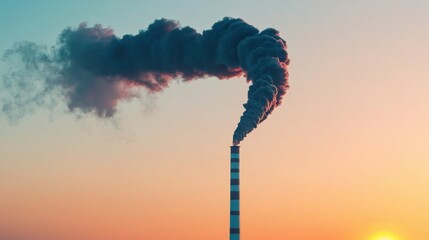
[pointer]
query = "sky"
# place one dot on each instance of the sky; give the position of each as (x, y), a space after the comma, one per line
(345, 156)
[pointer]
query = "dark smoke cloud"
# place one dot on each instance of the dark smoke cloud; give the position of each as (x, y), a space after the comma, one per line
(93, 69)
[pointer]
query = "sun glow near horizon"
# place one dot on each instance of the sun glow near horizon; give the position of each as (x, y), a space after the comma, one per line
(384, 236)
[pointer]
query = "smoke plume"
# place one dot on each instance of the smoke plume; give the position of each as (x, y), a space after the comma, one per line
(93, 69)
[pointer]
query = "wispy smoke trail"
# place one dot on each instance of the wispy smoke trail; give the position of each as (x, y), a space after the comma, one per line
(92, 69)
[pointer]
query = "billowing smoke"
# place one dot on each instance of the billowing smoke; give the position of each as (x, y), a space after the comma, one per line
(93, 69)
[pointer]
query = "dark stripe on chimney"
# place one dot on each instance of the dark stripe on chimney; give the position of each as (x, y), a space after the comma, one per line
(235, 195)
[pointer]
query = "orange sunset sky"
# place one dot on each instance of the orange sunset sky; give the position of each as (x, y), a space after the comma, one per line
(345, 157)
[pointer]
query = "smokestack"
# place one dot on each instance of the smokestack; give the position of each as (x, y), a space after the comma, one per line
(234, 216)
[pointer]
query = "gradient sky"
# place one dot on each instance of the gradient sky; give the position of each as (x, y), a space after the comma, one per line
(344, 157)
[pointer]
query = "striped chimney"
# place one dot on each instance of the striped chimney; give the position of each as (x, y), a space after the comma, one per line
(234, 216)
